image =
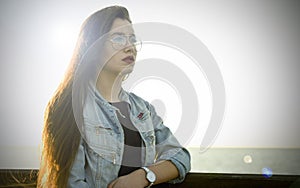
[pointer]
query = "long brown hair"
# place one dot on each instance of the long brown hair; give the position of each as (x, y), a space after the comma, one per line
(61, 137)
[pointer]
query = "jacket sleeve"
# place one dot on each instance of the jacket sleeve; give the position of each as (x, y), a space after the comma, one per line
(168, 147)
(77, 173)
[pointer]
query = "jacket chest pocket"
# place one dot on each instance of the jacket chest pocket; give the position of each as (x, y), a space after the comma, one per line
(102, 141)
(143, 121)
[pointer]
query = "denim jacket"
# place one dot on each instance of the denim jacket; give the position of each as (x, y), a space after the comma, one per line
(100, 152)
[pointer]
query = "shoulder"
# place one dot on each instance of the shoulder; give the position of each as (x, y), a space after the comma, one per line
(135, 97)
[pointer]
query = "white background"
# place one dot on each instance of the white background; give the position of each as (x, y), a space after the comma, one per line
(255, 43)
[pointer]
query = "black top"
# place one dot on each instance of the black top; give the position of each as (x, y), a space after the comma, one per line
(131, 160)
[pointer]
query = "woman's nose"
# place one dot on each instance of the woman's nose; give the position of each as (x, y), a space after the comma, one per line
(130, 48)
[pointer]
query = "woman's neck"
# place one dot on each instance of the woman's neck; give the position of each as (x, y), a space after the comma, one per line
(109, 86)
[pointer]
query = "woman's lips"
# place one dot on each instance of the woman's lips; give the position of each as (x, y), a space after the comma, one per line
(128, 59)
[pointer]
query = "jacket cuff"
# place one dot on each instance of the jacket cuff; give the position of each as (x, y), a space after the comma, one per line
(182, 162)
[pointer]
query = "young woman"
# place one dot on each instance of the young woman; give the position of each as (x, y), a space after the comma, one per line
(95, 133)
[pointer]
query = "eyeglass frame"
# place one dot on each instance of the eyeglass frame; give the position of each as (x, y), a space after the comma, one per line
(122, 46)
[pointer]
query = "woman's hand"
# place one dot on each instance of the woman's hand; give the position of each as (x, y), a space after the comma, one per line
(136, 179)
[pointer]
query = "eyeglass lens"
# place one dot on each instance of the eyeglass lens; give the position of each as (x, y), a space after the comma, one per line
(119, 41)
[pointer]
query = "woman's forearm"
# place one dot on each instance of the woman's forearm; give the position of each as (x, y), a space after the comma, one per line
(164, 171)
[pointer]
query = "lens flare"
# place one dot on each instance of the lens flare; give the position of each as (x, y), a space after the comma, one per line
(248, 159)
(267, 172)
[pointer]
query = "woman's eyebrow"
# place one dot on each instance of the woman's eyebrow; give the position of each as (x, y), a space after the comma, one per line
(118, 33)
(121, 33)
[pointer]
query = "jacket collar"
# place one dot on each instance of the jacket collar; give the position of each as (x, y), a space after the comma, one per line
(123, 96)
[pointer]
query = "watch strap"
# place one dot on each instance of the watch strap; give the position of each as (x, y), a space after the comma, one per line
(147, 170)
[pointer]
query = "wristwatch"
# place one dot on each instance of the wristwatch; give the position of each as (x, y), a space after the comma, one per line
(150, 176)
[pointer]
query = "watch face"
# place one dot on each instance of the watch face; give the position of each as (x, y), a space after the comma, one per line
(151, 176)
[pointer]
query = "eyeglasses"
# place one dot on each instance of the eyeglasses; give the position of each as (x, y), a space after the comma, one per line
(119, 41)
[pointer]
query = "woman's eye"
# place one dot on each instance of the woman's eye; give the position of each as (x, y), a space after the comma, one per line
(119, 39)
(132, 39)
